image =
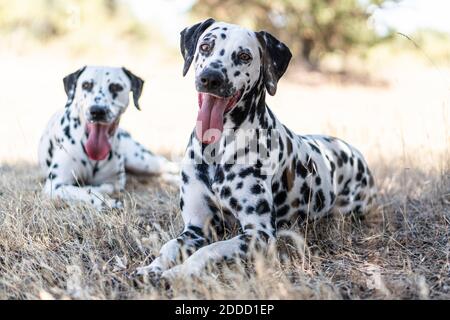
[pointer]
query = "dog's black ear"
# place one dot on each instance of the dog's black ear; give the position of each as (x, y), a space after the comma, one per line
(137, 84)
(70, 82)
(189, 39)
(275, 59)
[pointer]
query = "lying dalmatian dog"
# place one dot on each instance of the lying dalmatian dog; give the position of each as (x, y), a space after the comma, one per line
(303, 177)
(83, 153)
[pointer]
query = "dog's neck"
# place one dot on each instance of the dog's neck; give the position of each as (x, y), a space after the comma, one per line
(251, 112)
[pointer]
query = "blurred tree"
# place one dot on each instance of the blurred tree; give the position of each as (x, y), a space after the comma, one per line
(310, 27)
(48, 19)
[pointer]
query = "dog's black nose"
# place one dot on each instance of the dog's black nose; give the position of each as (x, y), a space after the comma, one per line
(98, 113)
(211, 79)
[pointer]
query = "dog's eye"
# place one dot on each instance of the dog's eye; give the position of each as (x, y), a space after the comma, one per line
(245, 56)
(115, 87)
(205, 47)
(87, 85)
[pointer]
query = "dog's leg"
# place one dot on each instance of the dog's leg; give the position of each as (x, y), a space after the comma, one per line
(197, 210)
(140, 160)
(97, 196)
(254, 212)
(237, 247)
(61, 183)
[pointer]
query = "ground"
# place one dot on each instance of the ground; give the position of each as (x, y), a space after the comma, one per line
(401, 250)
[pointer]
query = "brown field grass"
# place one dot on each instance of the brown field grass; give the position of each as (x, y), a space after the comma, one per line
(400, 251)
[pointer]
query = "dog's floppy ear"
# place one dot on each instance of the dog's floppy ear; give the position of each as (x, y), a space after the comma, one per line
(189, 39)
(137, 84)
(70, 82)
(275, 59)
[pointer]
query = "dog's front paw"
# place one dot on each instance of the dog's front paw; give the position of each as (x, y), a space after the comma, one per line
(151, 271)
(148, 274)
(116, 204)
(105, 188)
(172, 274)
(110, 204)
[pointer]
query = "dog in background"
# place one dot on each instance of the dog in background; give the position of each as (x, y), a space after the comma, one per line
(83, 152)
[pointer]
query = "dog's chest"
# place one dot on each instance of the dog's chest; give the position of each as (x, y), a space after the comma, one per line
(96, 172)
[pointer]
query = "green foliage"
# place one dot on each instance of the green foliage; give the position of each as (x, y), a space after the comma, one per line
(310, 27)
(48, 19)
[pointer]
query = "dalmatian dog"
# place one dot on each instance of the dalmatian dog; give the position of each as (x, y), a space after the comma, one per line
(83, 153)
(287, 178)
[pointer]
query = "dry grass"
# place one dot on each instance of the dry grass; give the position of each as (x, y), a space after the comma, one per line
(401, 250)
(51, 250)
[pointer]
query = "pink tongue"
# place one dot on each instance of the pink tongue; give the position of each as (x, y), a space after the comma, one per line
(97, 145)
(210, 117)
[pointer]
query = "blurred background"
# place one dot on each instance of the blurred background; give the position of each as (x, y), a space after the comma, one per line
(374, 72)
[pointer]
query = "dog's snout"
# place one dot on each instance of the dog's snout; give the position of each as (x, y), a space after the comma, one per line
(211, 79)
(98, 113)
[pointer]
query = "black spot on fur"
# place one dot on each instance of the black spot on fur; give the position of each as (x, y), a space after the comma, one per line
(231, 176)
(225, 192)
(319, 201)
(256, 189)
(262, 207)
(344, 157)
(311, 165)
(95, 169)
(305, 190)
(202, 174)
(211, 205)
(275, 187)
(315, 148)
(280, 198)
(318, 181)
(301, 170)
(185, 178)
(250, 210)
(50, 149)
(282, 211)
(181, 203)
(220, 175)
(67, 132)
(263, 235)
(234, 204)
(245, 172)
(332, 196)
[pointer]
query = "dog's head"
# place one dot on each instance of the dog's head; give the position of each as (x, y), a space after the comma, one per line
(228, 61)
(101, 95)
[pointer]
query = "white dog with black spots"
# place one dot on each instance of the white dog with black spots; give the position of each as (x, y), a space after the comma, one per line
(242, 165)
(83, 152)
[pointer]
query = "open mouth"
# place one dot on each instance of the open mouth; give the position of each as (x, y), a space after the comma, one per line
(97, 145)
(210, 115)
